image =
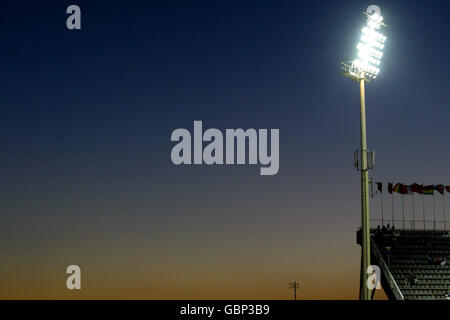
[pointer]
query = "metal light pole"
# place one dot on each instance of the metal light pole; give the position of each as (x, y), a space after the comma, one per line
(362, 70)
(365, 214)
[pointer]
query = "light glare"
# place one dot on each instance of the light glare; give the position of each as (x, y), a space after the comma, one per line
(370, 48)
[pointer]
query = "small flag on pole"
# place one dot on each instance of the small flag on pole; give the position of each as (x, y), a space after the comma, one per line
(390, 187)
(417, 188)
(439, 188)
(380, 187)
(401, 188)
(428, 190)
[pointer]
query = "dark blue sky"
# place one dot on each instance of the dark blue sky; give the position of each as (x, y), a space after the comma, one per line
(137, 71)
(86, 118)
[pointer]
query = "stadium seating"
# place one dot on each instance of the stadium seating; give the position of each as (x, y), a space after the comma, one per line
(411, 271)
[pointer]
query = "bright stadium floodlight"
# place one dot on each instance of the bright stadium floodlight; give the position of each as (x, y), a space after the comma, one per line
(370, 51)
(363, 69)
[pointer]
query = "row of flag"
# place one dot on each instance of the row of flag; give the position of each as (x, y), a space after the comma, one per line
(411, 188)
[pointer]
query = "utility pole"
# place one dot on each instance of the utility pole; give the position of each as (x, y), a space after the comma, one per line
(294, 285)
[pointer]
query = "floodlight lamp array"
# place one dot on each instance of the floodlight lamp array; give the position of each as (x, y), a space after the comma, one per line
(370, 47)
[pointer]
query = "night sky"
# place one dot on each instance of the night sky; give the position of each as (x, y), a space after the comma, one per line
(85, 123)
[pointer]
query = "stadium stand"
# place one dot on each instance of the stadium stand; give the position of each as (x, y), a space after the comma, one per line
(414, 263)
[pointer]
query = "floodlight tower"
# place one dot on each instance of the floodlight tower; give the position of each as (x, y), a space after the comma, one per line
(362, 70)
